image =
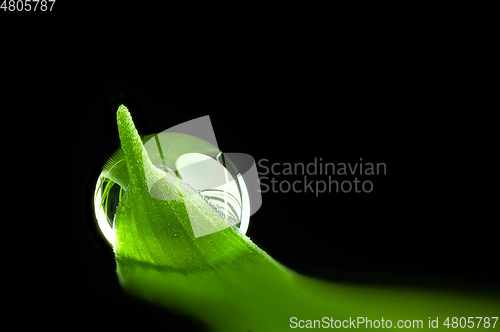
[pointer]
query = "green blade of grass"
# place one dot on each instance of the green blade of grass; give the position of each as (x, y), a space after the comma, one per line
(224, 279)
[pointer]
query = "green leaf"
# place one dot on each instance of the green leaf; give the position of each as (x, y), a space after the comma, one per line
(223, 278)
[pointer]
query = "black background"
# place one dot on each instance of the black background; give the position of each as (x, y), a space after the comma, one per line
(278, 87)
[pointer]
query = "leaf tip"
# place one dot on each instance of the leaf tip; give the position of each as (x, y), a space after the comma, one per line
(122, 112)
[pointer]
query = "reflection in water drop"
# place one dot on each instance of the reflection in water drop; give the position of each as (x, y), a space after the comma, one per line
(226, 199)
(224, 203)
(107, 195)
